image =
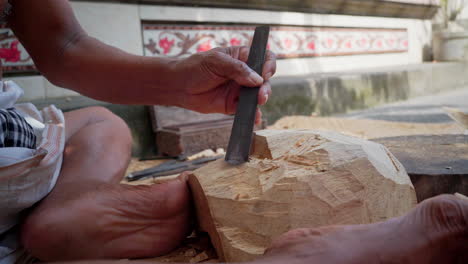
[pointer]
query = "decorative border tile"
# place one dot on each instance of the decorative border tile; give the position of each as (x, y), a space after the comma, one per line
(161, 40)
(13, 55)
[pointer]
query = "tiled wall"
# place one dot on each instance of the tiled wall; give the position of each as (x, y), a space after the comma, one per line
(178, 41)
(13, 55)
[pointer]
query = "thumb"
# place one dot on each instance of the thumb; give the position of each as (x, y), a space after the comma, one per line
(234, 69)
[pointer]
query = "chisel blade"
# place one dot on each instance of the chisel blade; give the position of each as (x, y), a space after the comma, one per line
(242, 130)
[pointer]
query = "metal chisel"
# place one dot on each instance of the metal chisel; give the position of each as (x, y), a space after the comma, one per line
(241, 135)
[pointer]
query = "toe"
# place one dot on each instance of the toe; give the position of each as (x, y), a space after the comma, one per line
(444, 216)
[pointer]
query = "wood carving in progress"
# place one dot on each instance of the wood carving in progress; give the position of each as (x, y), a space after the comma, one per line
(297, 179)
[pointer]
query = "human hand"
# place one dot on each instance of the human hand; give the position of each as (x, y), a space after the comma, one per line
(436, 231)
(211, 81)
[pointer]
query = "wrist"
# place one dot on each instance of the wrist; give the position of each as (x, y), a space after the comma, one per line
(162, 82)
(179, 81)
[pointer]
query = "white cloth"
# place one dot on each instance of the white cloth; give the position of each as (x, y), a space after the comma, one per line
(27, 175)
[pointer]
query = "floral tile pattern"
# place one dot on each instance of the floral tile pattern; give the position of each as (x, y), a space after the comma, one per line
(161, 40)
(13, 55)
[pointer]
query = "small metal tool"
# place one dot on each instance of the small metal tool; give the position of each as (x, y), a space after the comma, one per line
(241, 135)
(170, 168)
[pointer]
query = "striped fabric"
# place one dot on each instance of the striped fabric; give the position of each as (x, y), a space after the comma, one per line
(27, 175)
(15, 131)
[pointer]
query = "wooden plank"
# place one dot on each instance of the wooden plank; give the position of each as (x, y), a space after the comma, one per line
(435, 164)
(365, 128)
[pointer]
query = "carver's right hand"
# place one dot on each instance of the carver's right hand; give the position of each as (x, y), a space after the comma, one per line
(436, 231)
(210, 81)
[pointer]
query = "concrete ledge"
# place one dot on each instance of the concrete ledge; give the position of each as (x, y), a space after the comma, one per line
(340, 92)
(421, 9)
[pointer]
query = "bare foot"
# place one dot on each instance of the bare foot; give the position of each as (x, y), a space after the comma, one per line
(436, 231)
(112, 221)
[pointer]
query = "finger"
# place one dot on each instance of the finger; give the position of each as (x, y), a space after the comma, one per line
(269, 68)
(229, 68)
(232, 98)
(243, 53)
(264, 93)
(258, 117)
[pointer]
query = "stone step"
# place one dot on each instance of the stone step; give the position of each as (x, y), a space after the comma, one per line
(339, 92)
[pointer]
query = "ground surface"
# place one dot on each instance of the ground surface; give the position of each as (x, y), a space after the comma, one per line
(427, 109)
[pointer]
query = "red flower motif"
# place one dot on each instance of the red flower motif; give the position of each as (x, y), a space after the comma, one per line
(329, 43)
(379, 43)
(166, 45)
(288, 43)
(235, 42)
(11, 54)
(348, 44)
(363, 42)
(205, 46)
(405, 43)
(311, 45)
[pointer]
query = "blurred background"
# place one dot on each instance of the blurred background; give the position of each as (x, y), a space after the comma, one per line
(351, 59)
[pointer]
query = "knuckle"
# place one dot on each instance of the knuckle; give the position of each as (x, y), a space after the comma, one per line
(213, 58)
(198, 56)
(218, 49)
(210, 56)
(240, 67)
(217, 54)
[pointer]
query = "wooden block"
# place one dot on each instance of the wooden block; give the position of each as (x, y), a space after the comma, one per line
(297, 179)
(191, 139)
(170, 116)
(436, 164)
(183, 132)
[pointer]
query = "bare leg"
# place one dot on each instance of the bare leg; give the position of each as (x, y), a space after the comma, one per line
(436, 231)
(89, 214)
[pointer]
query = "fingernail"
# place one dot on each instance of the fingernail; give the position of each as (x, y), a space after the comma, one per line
(266, 97)
(255, 77)
(268, 76)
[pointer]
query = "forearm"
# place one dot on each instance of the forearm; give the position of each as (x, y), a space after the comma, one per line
(208, 82)
(69, 58)
(102, 72)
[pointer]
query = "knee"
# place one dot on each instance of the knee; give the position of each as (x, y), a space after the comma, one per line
(102, 115)
(104, 133)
